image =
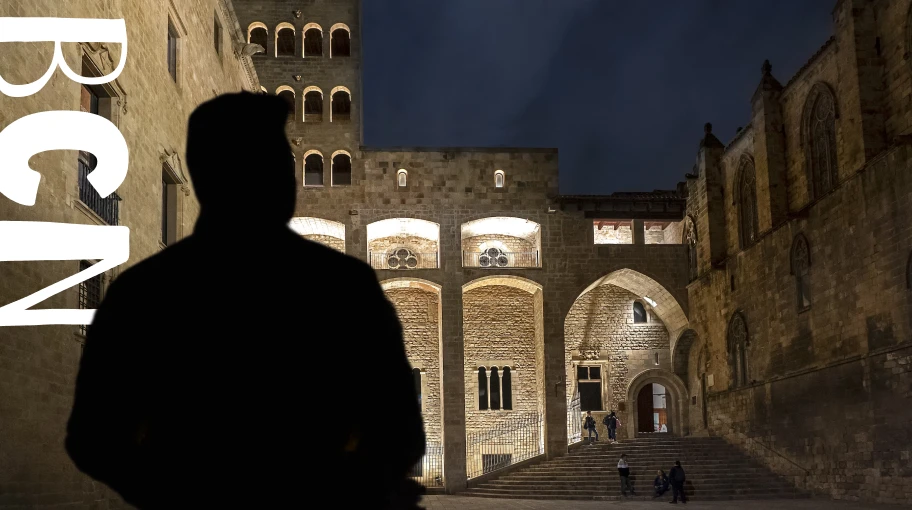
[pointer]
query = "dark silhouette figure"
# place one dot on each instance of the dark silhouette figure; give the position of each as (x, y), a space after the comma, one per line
(218, 373)
(677, 479)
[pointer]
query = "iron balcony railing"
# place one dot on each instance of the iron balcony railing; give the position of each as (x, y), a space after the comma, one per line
(502, 445)
(574, 421)
(429, 470)
(107, 208)
(493, 259)
(403, 259)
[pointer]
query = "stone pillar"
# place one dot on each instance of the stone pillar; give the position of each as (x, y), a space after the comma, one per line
(711, 226)
(639, 232)
(452, 360)
(555, 373)
(769, 152)
(860, 93)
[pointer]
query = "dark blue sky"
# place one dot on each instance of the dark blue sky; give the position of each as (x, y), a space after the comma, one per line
(621, 88)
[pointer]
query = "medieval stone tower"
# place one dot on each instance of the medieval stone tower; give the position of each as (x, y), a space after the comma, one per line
(312, 59)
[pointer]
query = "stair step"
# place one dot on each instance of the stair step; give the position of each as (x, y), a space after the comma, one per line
(715, 471)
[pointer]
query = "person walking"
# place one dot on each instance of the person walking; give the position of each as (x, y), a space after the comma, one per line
(660, 483)
(624, 472)
(590, 426)
(612, 423)
(676, 477)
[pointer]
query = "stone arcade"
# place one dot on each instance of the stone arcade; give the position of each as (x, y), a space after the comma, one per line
(766, 300)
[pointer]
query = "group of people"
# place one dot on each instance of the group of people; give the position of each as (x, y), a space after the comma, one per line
(611, 422)
(675, 478)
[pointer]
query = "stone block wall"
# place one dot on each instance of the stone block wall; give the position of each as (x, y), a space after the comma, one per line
(824, 401)
(599, 331)
(418, 311)
(38, 364)
(499, 327)
(330, 241)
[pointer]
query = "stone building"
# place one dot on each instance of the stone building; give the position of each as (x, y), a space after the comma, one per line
(798, 343)
(765, 300)
(179, 55)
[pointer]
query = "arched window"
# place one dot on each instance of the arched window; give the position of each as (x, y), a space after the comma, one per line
(639, 313)
(341, 106)
(288, 95)
(507, 384)
(341, 169)
(737, 349)
(820, 140)
(498, 178)
(801, 263)
(402, 178)
(690, 240)
(285, 41)
(258, 34)
(416, 376)
(495, 388)
(313, 169)
(313, 105)
(341, 42)
(482, 389)
(313, 41)
(747, 203)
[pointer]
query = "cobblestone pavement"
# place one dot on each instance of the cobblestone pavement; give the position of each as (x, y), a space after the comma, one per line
(463, 503)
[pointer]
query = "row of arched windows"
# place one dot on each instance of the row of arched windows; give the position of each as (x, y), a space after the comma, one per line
(738, 339)
(495, 389)
(286, 36)
(818, 139)
(340, 103)
(340, 170)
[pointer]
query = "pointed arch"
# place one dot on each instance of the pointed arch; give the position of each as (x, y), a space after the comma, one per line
(818, 136)
(738, 340)
(800, 258)
(689, 239)
(746, 193)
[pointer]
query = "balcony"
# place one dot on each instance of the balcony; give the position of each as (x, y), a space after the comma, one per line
(108, 209)
(403, 259)
(495, 258)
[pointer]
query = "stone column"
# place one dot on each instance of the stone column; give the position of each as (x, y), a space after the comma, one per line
(639, 232)
(452, 360)
(769, 152)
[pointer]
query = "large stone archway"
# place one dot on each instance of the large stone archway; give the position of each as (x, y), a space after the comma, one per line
(677, 400)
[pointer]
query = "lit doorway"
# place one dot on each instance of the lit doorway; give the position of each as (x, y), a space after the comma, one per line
(652, 410)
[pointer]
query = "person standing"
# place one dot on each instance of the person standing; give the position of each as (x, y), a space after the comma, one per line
(624, 472)
(676, 477)
(612, 423)
(590, 426)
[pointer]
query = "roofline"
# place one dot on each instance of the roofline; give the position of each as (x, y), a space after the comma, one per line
(546, 150)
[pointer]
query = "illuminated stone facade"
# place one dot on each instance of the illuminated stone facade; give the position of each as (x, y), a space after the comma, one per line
(150, 107)
(795, 348)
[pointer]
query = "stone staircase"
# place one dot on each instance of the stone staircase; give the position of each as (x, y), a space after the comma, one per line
(715, 471)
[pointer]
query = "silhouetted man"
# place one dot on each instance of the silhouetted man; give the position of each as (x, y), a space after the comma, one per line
(216, 373)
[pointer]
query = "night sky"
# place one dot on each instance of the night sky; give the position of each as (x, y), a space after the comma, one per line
(621, 88)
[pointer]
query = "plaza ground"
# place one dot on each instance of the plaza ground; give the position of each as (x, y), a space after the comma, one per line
(460, 503)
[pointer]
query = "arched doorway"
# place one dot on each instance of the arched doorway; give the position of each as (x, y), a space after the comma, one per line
(648, 393)
(652, 409)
